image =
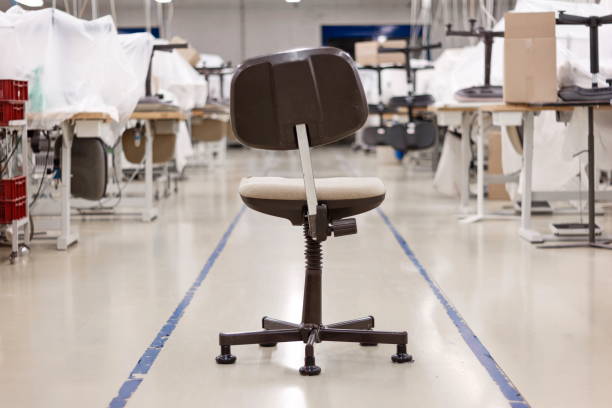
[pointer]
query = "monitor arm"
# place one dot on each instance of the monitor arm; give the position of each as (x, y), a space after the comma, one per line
(221, 71)
(593, 22)
(163, 48)
(487, 37)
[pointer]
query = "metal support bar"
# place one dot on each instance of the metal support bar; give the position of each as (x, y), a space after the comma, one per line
(309, 182)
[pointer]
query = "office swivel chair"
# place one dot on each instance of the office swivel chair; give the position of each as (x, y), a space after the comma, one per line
(296, 100)
(419, 133)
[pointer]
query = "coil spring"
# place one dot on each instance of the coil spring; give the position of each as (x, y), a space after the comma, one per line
(313, 253)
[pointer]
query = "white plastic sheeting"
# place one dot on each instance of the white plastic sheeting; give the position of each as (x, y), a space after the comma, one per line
(178, 80)
(73, 65)
(555, 145)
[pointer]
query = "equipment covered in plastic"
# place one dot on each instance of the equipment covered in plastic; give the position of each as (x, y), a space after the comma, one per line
(557, 146)
(72, 65)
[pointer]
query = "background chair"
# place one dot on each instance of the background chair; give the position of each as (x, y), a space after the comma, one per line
(297, 100)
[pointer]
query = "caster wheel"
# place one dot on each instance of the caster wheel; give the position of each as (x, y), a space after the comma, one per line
(368, 344)
(267, 345)
(226, 359)
(402, 358)
(310, 370)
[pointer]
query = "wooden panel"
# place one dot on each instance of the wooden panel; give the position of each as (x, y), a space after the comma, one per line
(524, 108)
(496, 191)
(158, 115)
(92, 116)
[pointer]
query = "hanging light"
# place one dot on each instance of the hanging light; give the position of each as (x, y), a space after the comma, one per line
(31, 3)
(164, 1)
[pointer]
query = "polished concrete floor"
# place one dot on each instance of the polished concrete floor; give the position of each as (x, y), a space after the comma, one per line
(74, 324)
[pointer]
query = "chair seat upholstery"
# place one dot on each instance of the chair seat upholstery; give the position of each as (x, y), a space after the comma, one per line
(286, 197)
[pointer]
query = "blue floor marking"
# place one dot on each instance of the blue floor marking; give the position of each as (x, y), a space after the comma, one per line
(146, 361)
(512, 394)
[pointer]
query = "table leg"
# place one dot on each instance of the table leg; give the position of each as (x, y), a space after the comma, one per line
(525, 231)
(149, 210)
(67, 236)
(465, 162)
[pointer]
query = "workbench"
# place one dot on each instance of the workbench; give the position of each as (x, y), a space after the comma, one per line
(504, 115)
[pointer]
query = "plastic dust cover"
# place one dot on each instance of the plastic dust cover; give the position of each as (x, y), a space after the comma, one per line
(174, 76)
(72, 65)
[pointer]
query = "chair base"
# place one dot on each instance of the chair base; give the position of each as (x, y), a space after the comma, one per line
(278, 331)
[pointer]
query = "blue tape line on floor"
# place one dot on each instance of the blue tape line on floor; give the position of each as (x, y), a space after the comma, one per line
(512, 394)
(152, 352)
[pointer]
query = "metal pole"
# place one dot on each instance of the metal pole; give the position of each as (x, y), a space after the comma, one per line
(147, 6)
(94, 9)
(592, 180)
(160, 21)
(242, 31)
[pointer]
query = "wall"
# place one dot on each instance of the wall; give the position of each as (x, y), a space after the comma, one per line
(214, 26)
(268, 28)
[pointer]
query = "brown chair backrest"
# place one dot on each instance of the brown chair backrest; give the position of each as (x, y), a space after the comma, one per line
(319, 87)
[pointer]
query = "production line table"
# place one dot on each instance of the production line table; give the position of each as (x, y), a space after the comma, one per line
(150, 212)
(461, 115)
(86, 125)
(516, 115)
(96, 125)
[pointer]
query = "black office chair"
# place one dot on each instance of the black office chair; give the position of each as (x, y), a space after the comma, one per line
(297, 100)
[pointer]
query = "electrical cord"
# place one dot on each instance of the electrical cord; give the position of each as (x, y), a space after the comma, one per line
(104, 204)
(7, 159)
(40, 186)
(42, 179)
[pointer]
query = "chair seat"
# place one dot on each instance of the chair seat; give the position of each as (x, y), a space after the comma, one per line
(286, 197)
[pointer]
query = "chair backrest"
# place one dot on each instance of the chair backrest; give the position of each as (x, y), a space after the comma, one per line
(318, 87)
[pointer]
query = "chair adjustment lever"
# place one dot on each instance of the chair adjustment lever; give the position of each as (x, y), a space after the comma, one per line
(347, 226)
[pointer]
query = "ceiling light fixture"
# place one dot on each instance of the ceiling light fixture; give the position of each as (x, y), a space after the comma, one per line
(31, 3)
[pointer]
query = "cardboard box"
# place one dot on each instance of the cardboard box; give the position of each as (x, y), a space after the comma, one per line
(190, 54)
(530, 58)
(366, 53)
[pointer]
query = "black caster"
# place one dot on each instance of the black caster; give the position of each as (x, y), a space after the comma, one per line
(267, 345)
(310, 368)
(401, 356)
(226, 357)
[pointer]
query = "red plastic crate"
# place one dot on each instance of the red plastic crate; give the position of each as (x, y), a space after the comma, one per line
(13, 90)
(12, 210)
(13, 189)
(11, 111)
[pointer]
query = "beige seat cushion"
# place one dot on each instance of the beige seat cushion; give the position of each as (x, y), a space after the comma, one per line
(328, 189)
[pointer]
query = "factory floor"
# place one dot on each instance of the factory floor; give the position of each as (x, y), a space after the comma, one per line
(130, 315)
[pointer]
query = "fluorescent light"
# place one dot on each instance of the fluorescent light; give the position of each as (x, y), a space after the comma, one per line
(293, 1)
(31, 3)
(164, 1)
